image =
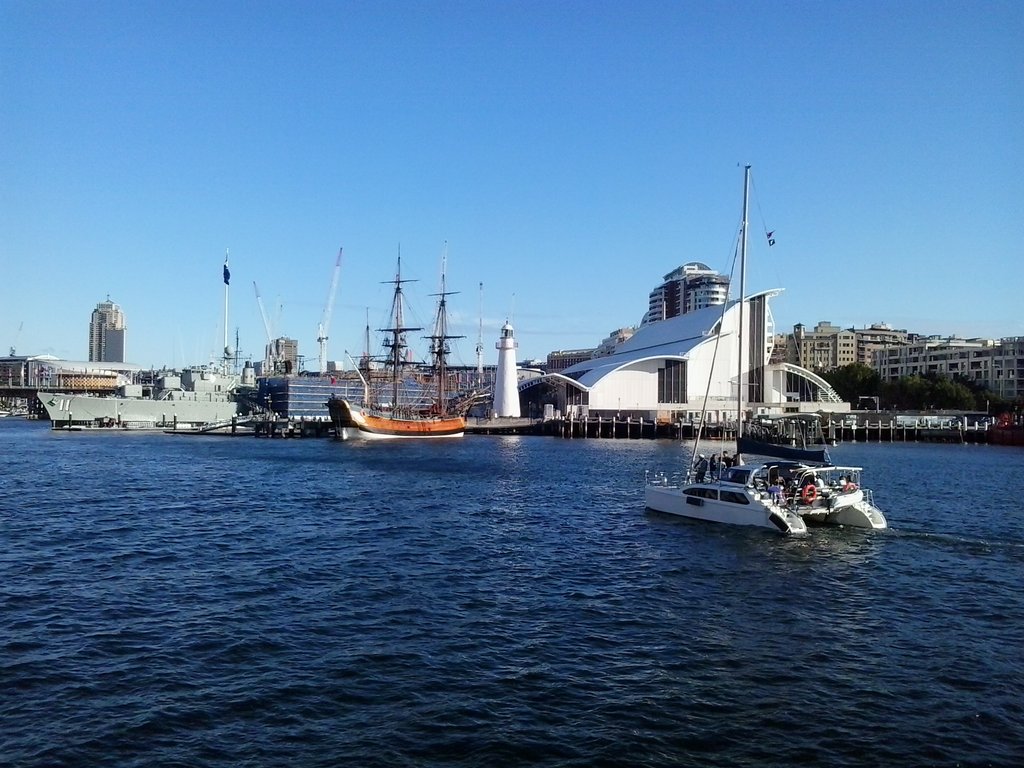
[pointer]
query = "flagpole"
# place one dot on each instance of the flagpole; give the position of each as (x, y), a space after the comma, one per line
(227, 279)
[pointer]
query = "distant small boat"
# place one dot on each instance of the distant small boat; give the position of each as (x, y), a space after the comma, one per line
(438, 415)
(794, 436)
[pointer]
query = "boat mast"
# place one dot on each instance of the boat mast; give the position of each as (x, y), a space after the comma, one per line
(743, 293)
(480, 342)
(439, 348)
(397, 343)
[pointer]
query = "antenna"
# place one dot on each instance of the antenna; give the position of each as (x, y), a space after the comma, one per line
(325, 321)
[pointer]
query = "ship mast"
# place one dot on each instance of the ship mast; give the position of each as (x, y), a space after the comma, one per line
(439, 348)
(365, 361)
(480, 342)
(397, 344)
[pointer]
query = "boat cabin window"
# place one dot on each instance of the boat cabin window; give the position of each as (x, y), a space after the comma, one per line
(736, 475)
(735, 497)
(704, 493)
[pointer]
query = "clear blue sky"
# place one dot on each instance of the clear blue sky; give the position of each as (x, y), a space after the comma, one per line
(570, 153)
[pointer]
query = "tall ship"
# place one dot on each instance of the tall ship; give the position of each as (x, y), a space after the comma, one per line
(405, 403)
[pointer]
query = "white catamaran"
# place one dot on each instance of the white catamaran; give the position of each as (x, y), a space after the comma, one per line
(783, 495)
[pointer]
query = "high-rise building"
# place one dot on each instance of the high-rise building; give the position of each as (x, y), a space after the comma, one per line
(106, 333)
(282, 357)
(685, 289)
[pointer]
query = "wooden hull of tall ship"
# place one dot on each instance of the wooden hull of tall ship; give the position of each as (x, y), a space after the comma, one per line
(351, 420)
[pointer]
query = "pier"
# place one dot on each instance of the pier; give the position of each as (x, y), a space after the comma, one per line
(627, 428)
(894, 429)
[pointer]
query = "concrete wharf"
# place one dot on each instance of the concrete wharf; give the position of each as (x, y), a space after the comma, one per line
(633, 428)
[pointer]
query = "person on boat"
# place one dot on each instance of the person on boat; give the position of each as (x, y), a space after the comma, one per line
(713, 466)
(701, 467)
(727, 460)
(789, 488)
(848, 484)
(775, 492)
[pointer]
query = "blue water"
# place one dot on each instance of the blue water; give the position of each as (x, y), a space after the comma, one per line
(492, 601)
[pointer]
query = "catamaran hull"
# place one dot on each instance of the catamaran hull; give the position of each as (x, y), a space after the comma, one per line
(852, 510)
(672, 501)
(352, 421)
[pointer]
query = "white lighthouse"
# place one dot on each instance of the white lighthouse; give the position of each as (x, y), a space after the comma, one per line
(506, 390)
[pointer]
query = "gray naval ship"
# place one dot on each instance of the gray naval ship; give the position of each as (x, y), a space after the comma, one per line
(194, 398)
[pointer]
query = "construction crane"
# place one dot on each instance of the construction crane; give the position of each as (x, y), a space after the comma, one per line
(270, 357)
(325, 320)
(16, 335)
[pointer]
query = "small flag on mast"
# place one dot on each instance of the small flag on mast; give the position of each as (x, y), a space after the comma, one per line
(771, 238)
(227, 272)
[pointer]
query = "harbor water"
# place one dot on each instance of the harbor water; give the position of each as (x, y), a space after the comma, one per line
(493, 601)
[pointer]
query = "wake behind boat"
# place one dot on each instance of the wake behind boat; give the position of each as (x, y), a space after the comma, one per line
(780, 495)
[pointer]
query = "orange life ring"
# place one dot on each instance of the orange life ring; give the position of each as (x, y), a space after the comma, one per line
(809, 494)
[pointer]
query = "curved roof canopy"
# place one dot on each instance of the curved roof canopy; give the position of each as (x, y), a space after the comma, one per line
(674, 338)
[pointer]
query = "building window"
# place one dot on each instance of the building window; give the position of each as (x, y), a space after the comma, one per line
(672, 382)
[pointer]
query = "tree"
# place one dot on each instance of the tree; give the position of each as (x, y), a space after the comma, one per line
(949, 394)
(854, 381)
(909, 393)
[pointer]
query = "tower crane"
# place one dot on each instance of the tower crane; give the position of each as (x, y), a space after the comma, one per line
(270, 357)
(16, 335)
(325, 320)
